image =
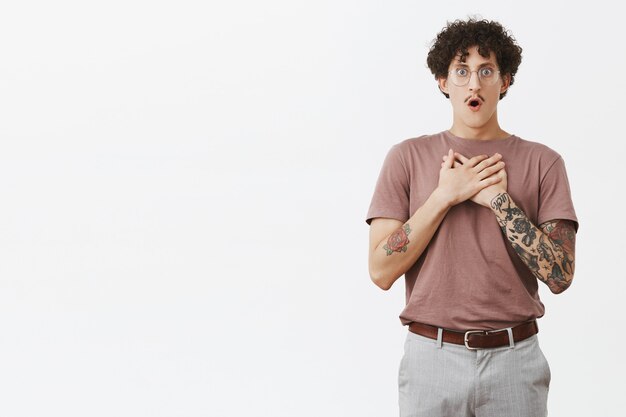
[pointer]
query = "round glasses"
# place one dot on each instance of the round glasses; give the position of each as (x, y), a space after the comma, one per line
(461, 76)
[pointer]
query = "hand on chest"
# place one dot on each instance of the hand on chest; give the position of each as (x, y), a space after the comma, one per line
(522, 178)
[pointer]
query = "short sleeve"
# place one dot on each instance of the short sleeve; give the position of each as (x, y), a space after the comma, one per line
(391, 194)
(555, 199)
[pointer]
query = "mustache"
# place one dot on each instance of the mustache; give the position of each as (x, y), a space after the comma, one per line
(477, 95)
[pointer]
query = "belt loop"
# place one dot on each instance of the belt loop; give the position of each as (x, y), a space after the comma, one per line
(439, 337)
(511, 340)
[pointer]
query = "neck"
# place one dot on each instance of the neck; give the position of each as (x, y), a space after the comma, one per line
(490, 130)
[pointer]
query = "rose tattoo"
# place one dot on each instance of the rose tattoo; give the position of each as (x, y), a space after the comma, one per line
(398, 240)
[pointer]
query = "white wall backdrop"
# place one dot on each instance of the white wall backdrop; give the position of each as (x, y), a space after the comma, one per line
(184, 188)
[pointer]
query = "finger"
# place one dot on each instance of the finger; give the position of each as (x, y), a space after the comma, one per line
(461, 158)
(488, 162)
(476, 159)
(494, 169)
(449, 159)
(494, 179)
(456, 162)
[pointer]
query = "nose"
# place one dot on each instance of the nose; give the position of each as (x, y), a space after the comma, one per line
(474, 81)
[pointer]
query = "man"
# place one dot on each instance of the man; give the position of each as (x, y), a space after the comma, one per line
(474, 217)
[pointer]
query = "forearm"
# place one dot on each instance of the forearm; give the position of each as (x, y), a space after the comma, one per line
(399, 251)
(546, 259)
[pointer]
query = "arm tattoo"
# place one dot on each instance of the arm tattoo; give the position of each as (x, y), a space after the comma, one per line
(398, 240)
(563, 233)
(548, 253)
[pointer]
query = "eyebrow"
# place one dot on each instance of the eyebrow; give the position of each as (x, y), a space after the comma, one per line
(484, 64)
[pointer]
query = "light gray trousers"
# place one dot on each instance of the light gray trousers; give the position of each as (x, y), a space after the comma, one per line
(447, 380)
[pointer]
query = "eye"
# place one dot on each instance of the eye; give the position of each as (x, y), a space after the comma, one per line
(486, 72)
(461, 72)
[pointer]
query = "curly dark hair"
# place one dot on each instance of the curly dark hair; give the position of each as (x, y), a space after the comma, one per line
(455, 39)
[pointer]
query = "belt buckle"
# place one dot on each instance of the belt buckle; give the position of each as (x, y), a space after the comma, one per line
(466, 338)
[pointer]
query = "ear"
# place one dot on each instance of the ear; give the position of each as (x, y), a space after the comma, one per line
(506, 80)
(443, 84)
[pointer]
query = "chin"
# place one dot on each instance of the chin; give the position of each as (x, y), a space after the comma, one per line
(479, 120)
(475, 124)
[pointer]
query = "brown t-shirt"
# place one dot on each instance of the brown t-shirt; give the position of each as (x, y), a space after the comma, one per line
(469, 276)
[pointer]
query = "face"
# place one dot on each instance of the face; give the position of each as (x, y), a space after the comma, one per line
(476, 90)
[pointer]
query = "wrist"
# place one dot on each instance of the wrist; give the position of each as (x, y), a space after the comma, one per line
(499, 201)
(441, 198)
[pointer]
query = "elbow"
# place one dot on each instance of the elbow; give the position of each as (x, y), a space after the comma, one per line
(560, 286)
(558, 290)
(381, 281)
(562, 275)
(382, 285)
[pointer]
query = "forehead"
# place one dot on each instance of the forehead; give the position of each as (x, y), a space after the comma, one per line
(474, 58)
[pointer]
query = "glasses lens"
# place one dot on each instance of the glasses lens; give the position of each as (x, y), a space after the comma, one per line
(488, 75)
(461, 76)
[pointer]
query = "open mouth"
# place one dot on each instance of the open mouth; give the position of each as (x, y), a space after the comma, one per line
(474, 104)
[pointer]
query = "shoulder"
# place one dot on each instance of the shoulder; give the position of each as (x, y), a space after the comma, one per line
(538, 153)
(418, 147)
(417, 142)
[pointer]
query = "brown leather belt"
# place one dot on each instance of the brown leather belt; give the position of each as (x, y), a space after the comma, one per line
(477, 339)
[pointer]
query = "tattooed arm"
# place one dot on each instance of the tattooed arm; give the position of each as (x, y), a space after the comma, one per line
(549, 252)
(395, 246)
